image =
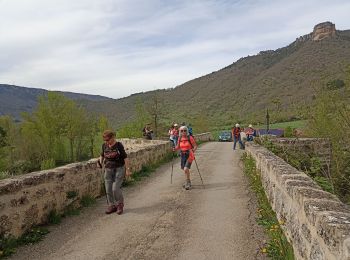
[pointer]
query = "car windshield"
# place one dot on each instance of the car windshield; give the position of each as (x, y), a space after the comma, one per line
(225, 134)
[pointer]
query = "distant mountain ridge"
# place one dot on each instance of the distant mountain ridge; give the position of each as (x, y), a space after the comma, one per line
(15, 99)
(283, 80)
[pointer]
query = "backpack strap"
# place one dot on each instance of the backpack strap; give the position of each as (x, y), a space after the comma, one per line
(188, 138)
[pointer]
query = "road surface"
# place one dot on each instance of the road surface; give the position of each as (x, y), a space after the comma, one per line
(163, 221)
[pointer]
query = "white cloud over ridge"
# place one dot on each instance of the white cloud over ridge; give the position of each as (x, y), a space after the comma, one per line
(117, 47)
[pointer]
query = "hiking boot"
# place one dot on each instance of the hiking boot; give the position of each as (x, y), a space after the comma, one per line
(184, 184)
(120, 208)
(111, 209)
(188, 185)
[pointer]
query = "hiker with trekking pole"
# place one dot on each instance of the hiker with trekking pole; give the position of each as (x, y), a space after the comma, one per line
(187, 146)
(116, 168)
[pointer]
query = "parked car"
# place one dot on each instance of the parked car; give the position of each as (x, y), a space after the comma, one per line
(225, 136)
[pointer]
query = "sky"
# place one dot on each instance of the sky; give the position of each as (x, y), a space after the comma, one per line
(116, 48)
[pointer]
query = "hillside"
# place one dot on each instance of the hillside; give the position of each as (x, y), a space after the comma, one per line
(283, 80)
(15, 99)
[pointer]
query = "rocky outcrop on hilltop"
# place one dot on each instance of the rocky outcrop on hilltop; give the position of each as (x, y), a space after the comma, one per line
(320, 32)
(323, 30)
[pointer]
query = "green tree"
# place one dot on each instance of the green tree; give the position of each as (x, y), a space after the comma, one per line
(57, 132)
(57, 125)
(201, 124)
(134, 128)
(2, 137)
(10, 142)
(155, 110)
(330, 118)
(77, 128)
(47, 124)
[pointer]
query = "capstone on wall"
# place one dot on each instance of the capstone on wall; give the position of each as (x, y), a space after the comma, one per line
(316, 222)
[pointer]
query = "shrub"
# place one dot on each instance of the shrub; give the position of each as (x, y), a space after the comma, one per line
(48, 164)
(288, 132)
(71, 211)
(8, 245)
(4, 175)
(335, 84)
(20, 167)
(71, 194)
(330, 118)
(54, 217)
(87, 201)
(304, 161)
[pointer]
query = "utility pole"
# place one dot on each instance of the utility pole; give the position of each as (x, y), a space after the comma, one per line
(267, 121)
(155, 111)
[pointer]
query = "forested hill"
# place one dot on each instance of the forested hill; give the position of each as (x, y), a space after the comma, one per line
(14, 99)
(283, 80)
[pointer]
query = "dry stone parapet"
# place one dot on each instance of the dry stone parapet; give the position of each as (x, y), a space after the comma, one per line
(316, 222)
(27, 200)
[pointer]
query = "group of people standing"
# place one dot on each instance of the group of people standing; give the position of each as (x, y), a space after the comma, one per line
(147, 132)
(174, 132)
(116, 162)
(237, 134)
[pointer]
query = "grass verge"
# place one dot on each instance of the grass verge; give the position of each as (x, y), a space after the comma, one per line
(300, 124)
(87, 201)
(8, 245)
(278, 246)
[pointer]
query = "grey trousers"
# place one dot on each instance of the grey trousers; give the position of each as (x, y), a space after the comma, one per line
(113, 182)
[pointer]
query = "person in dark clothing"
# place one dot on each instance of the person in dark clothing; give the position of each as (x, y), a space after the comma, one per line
(190, 130)
(116, 163)
(250, 132)
(147, 132)
(236, 133)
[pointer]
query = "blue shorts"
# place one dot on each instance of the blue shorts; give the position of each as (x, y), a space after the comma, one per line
(184, 161)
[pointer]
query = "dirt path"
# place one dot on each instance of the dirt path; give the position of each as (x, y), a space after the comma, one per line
(163, 221)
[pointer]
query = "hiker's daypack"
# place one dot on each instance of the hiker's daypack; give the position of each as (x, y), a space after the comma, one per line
(236, 131)
(188, 138)
(190, 131)
(111, 154)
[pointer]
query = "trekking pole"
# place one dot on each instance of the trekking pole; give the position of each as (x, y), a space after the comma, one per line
(172, 170)
(199, 172)
(103, 183)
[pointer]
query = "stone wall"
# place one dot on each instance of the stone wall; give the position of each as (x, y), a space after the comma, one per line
(205, 137)
(319, 147)
(316, 222)
(27, 200)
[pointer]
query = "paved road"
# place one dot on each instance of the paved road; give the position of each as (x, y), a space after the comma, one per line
(163, 221)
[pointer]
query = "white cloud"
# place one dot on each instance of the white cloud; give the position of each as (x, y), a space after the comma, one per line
(116, 48)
